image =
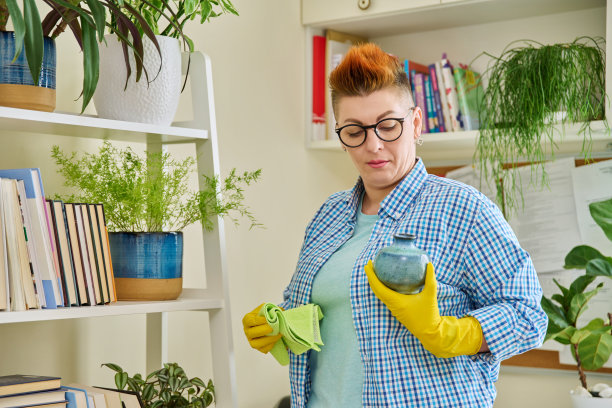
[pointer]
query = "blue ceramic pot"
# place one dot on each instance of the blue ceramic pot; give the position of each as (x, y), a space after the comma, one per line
(402, 266)
(17, 88)
(147, 265)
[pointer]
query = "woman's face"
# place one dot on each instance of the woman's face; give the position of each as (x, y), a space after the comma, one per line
(382, 165)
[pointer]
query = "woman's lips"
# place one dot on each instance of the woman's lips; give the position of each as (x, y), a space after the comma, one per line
(377, 163)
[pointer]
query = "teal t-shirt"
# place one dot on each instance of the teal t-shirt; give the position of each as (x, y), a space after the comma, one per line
(337, 370)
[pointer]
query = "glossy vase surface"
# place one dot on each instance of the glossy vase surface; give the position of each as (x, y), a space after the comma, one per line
(402, 266)
(17, 88)
(147, 265)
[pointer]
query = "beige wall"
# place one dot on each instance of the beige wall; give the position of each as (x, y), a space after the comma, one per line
(258, 67)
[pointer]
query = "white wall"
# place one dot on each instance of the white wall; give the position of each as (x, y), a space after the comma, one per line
(258, 67)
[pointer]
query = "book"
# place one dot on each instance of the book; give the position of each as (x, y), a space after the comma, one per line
(108, 264)
(130, 399)
(33, 398)
(75, 252)
(95, 272)
(96, 398)
(419, 95)
(318, 87)
(450, 89)
(62, 243)
(411, 68)
(93, 286)
(431, 109)
(448, 125)
(470, 94)
(76, 397)
(5, 295)
(97, 245)
(58, 275)
(21, 285)
(435, 92)
(111, 397)
(39, 229)
(20, 384)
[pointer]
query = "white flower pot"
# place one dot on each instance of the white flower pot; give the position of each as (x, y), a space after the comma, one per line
(155, 102)
(584, 402)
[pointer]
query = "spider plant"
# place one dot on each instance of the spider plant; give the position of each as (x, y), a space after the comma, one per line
(87, 21)
(529, 85)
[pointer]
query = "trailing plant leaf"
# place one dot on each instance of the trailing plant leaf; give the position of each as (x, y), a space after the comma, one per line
(150, 193)
(529, 83)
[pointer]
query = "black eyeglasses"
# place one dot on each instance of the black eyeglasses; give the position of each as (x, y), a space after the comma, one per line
(387, 130)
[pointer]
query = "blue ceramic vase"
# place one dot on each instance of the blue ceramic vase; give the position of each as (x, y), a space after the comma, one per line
(147, 265)
(402, 266)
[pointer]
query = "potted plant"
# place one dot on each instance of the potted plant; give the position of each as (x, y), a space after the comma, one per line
(534, 90)
(147, 202)
(33, 40)
(168, 387)
(156, 99)
(591, 344)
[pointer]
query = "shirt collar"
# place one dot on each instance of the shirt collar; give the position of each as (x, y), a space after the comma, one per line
(396, 203)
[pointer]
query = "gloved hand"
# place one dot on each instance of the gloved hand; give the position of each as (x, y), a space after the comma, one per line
(256, 329)
(443, 336)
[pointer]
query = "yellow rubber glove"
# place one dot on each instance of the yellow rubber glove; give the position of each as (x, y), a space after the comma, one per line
(443, 336)
(256, 329)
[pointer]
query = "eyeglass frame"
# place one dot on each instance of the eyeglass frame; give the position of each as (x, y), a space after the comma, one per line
(375, 126)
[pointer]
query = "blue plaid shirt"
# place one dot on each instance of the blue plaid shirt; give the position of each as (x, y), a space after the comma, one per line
(481, 271)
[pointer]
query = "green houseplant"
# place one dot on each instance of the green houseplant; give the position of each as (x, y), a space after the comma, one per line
(147, 202)
(168, 387)
(591, 344)
(87, 19)
(532, 87)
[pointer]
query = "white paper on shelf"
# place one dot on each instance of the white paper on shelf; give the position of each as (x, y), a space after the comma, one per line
(547, 226)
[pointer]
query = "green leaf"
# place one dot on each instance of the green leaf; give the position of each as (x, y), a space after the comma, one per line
(34, 44)
(91, 62)
(595, 350)
(205, 10)
(190, 6)
(148, 392)
(562, 336)
(121, 380)
(579, 302)
(599, 267)
(555, 313)
(580, 284)
(601, 212)
(99, 15)
(19, 26)
(587, 330)
(579, 256)
(113, 367)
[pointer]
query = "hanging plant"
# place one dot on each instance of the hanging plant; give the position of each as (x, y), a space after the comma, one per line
(534, 90)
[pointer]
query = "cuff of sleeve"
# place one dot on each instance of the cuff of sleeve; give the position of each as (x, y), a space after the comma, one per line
(497, 323)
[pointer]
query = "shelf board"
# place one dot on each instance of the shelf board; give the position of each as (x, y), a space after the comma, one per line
(23, 120)
(190, 299)
(451, 14)
(457, 148)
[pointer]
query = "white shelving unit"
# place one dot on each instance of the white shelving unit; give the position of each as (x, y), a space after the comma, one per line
(387, 21)
(215, 298)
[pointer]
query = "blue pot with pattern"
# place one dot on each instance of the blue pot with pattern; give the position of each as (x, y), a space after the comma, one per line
(17, 88)
(402, 266)
(147, 265)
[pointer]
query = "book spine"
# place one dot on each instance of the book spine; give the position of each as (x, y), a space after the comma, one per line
(451, 96)
(419, 93)
(431, 113)
(435, 91)
(443, 98)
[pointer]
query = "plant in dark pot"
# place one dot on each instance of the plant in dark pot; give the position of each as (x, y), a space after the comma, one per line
(147, 202)
(168, 387)
(534, 91)
(28, 54)
(591, 344)
(154, 99)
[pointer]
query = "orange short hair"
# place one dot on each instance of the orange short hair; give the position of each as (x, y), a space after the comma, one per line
(366, 68)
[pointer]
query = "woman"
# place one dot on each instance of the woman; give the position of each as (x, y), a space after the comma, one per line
(441, 347)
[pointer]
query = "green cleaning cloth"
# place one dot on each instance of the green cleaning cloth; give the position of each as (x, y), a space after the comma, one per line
(299, 328)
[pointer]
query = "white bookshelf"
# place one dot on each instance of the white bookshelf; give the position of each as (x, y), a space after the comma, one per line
(214, 299)
(422, 29)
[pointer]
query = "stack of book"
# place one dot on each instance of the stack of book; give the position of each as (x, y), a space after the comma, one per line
(52, 254)
(450, 97)
(34, 391)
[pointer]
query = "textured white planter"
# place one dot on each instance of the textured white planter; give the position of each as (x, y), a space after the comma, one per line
(155, 102)
(582, 402)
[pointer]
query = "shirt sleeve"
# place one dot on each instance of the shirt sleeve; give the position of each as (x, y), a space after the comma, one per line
(504, 287)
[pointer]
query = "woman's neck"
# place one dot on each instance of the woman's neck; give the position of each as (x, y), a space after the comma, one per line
(372, 199)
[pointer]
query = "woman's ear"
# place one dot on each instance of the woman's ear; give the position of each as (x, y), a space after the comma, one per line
(417, 122)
